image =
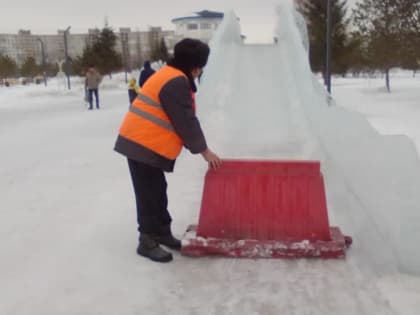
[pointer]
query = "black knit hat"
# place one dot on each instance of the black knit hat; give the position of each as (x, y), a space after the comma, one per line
(191, 53)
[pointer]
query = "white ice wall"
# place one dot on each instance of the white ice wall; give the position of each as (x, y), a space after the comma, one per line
(372, 181)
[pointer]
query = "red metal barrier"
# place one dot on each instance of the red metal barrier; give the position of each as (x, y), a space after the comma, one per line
(265, 209)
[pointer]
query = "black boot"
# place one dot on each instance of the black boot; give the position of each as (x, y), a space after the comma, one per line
(149, 247)
(166, 238)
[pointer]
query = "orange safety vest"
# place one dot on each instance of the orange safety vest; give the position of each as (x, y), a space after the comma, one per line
(147, 124)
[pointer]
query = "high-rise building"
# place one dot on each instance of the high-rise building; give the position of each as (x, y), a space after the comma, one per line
(135, 46)
(8, 45)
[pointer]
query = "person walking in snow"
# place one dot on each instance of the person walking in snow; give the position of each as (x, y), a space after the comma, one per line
(145, 73)
(160, 121)
(92, 81)
(133, 90)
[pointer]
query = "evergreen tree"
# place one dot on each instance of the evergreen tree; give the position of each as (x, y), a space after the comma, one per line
(315, 12)
(379, 23)
(410, 52)
(409, 12)
(101, 53)
(8, 67)
(357, 54)
(81, 63)
(159, 51)
(29, 68)
(108, 59)
(51, 69)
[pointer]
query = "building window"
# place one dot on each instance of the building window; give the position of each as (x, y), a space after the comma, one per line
(205, 26)
(192, 26)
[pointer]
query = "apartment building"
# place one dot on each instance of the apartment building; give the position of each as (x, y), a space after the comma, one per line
(8, 45)
(135, 46)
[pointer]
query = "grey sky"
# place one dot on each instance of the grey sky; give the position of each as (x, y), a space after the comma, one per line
(46, 16)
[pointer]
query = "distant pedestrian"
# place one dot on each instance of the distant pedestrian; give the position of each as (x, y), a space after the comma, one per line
(133, 90)
(93, 79)
(145, 73)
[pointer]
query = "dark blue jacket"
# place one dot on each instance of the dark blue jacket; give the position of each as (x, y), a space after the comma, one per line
(145, 73)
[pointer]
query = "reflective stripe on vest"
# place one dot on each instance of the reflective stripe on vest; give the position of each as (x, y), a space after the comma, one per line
(148, 100)
(152, 118)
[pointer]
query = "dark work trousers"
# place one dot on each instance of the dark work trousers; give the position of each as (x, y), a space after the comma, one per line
(131, 96)
(91, 92)
(151, 199)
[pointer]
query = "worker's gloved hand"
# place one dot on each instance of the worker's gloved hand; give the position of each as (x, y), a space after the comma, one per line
(214, 161)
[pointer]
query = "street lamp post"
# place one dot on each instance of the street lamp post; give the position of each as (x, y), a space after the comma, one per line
(124, 47)
(66, 57)
(43, 60)
(329, 39)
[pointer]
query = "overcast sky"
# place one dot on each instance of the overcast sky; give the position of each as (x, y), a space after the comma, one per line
(46, 16)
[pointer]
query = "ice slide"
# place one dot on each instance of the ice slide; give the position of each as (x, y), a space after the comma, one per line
(262, 101)
(265, 103)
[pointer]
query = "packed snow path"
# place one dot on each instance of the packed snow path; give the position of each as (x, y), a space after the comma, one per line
(68, 232)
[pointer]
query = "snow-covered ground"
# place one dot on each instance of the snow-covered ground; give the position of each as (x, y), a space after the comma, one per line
(67, 220)
(394, 113)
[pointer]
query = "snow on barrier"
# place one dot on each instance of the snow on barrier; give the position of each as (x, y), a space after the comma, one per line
(265, 209)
